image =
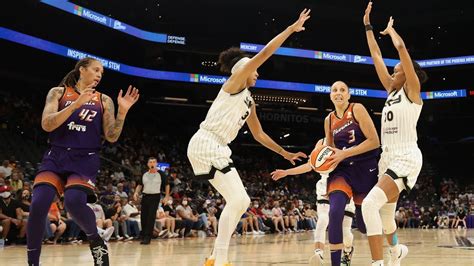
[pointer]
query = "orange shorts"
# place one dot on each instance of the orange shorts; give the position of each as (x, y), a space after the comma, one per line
(60, 185)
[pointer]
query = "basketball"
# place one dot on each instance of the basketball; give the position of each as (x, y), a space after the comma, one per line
(318, 159)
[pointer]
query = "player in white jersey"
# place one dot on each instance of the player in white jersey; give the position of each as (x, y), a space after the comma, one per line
(322, 206)
(208, 149)
(401, 159)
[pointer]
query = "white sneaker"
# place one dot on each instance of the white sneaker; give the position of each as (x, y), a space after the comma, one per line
(254, 233)
(163, 233)
(261, 232)
(397, 254)
(317, 258)
(107, 233)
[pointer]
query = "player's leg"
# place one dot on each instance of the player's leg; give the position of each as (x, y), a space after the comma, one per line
(339, 194)
(78, 193)
(46, 188)
(230, 186)
(320, 232)
(347, 235)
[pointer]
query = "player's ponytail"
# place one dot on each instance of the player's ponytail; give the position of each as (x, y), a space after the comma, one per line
(229, 57)
(71, 78)
(422, 76)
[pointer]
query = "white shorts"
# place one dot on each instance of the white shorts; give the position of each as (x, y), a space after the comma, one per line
(206, 151)
(401, 163)
(321, 188)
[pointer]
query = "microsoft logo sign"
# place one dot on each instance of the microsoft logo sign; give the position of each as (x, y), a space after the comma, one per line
(194, 77)
(78, 10)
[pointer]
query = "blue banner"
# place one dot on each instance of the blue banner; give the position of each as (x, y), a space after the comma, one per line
(443, 94)
(318, 55)
(356, 59)
(61, 50)
(114, 23)
(448, 61)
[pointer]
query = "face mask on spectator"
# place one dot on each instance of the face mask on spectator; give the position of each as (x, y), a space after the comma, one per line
(204, 205)
(256, 205)
(185, 202)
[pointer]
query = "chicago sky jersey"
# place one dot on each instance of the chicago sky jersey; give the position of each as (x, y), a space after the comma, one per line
(227, 115)
(399, 118)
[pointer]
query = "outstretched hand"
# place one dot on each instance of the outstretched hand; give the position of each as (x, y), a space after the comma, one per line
(389, 27)
(131, 97)
(298, 25)
(278, 174)
(292, 157)
(367, 13)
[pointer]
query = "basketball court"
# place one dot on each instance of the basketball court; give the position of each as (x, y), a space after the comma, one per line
(426, 247)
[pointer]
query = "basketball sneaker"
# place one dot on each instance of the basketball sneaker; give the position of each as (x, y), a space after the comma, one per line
(397, 253)
(209, 262)
(99, 252)
(347, 257)
(317, 258)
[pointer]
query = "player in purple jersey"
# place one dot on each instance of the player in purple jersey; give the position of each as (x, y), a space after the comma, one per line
(352, 135)
(77, 116)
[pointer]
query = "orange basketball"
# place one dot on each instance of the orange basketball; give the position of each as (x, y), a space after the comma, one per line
(318, 159)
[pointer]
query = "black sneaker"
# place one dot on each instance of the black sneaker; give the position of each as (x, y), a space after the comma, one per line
(99, 252)
(347, 257)
(146, 240)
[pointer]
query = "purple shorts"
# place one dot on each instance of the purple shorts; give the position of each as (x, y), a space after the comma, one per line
(65, 167)
(360, 176)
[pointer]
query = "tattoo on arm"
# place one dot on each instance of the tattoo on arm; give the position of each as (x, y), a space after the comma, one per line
(50, 113)
(114, 126)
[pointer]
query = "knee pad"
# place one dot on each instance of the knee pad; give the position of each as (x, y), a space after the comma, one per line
(370, 211)
(387, 214)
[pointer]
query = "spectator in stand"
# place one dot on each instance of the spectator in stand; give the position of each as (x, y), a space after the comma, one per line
(5, 169)
(131, 216)
(57, 225)
(262, 219)
(401, 218)
(278, 217)
(120, 191)
(24, 197)
(185, 212)
(101, 221)
(14, 228)
(16, 181)
(460, 218)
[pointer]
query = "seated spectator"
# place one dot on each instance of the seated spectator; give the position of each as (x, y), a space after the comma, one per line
(401, 218)
(185, 212)
(277, 217)
(11, 218)
(263, 220)
(460, 218)
(166, 220)
(56, 224)
(131, 216)
(120, 191)
(16, 181)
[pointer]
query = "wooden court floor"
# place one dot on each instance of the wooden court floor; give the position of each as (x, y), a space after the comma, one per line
(426, 247)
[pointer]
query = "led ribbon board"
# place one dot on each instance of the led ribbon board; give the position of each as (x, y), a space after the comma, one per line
(356, 59)
(114, 23)
(61, 50)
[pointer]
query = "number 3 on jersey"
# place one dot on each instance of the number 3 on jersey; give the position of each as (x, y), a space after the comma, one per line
(388, 116)
(87, 115)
